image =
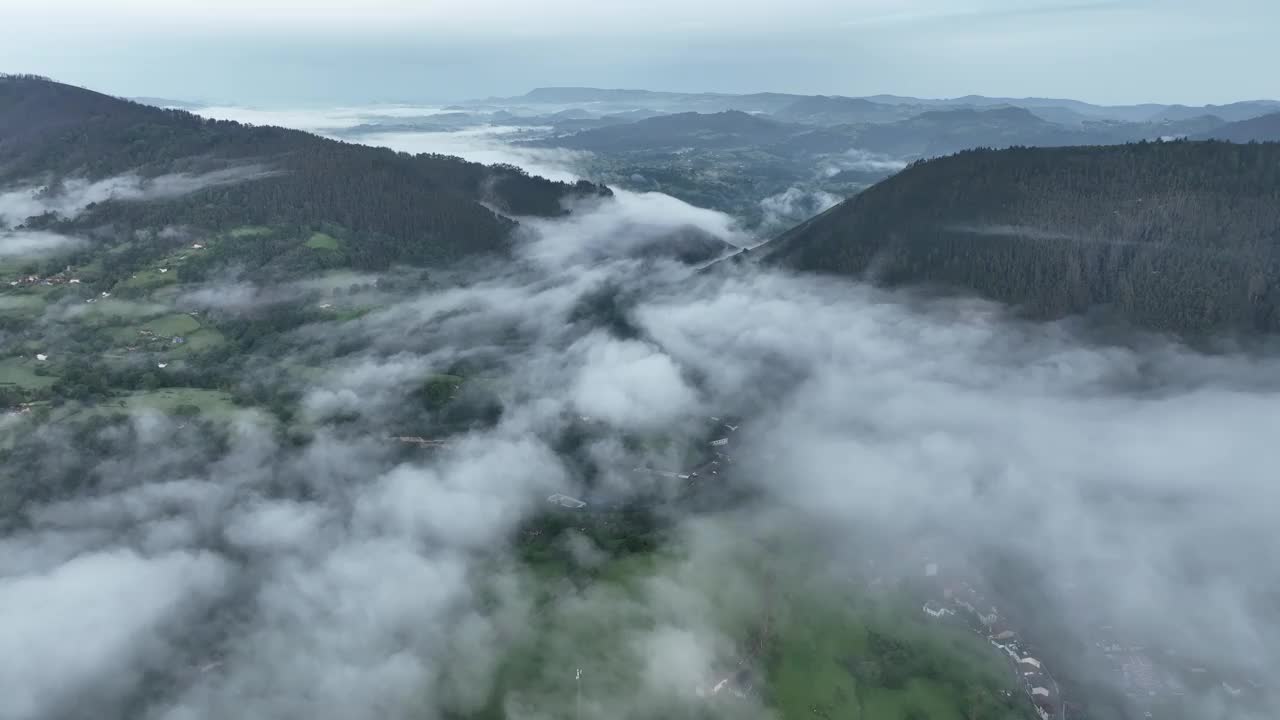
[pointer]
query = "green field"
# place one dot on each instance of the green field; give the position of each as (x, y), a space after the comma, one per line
(832, 649)
(250, 231)
(175, 325)
(348, 314)
(211, 403)
(323, 241)
(11, 267)
(21, 373)
(150, 279)
(21, 304)
(199, 341)
(111, 309)
(880, 658)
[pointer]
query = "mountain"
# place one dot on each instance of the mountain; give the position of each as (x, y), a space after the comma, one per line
(1233, 112)
(569, 95)
(1259, 129)
(939, 132)
(397, 208)
(825, 110)
(620, 100)
(836, 109)
(1064, 110)
(1181, 236)
(683, 130)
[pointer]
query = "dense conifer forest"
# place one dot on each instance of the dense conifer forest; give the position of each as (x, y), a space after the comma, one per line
(1176, 236)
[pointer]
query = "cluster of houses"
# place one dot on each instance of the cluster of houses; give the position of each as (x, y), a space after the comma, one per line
(960, 600)
(62, 278)
(21, 409)
(149, 336)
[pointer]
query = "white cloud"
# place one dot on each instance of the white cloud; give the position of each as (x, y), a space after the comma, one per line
(71, 197)
(87, 625)
(630, 385)
(34, 243)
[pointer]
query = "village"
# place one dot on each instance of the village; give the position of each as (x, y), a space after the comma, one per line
(1154, 684)
(960, 601)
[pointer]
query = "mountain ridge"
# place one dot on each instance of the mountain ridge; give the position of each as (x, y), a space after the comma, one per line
(1264, 128)
(400, 207)
(1179, 236)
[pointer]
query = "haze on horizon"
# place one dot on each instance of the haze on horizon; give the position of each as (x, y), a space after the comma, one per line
(328, 51)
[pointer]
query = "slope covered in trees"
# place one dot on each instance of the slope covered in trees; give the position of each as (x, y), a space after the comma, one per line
(1181, 236)
(1260, 129)
(398, 207)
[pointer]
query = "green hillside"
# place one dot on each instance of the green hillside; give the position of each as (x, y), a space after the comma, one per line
(1181, 236)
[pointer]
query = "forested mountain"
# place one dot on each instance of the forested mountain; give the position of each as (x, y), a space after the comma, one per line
(683, 130)
(836, 109)
(926, 134)
(1180, 236)
(939, 132)
(1259, 129)
(666, 101)
(1231, 112)
(825, 110)
(397, 207)
(942, 132)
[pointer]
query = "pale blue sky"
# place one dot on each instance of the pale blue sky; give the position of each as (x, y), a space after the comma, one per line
(325, 51)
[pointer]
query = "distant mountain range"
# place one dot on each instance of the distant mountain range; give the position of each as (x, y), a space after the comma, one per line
(1181, 236)
(839, 109)
(927, 134)
(708, 131)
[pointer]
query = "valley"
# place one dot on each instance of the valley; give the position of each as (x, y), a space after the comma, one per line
(634, 404)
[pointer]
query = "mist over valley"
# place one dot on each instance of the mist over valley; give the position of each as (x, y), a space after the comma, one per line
(636, 404)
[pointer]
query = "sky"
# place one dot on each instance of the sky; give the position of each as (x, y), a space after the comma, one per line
(340, 51)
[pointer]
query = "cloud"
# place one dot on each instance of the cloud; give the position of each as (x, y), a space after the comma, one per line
(623, 226)
(96, 623)
(313, 119)
(793, 206)
(485, 145)
(630, 384)
(35, 244)
(860, 160)
(325, 571)
(69, 198)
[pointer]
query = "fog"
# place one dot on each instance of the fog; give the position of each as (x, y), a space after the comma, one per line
(34, 244)
(70, 197)
(313, 119)
(793, 206)
(483, 145)
(341, 578)
(486, 144)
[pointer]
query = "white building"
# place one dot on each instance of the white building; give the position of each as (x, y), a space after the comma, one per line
(938, 612)
(566, 501)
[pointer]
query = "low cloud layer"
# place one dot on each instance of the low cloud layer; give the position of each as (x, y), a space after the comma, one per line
(34, 244)
(257, 574)
(794, 206)
(69, 198)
